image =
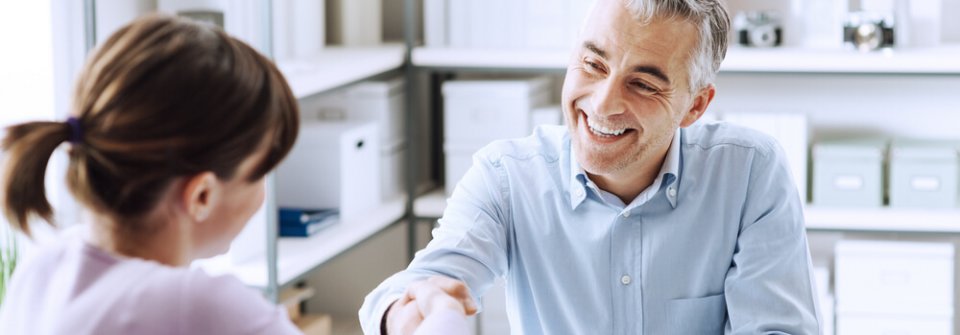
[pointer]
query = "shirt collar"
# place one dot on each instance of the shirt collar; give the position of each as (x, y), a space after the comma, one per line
(666, 178)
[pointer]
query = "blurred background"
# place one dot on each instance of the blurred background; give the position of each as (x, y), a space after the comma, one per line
(396, 96)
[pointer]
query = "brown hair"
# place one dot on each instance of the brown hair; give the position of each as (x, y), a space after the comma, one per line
(162, 98)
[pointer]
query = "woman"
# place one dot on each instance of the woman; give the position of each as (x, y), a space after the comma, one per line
(174, 126)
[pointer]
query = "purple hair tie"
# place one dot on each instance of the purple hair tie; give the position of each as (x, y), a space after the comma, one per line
(76, 133)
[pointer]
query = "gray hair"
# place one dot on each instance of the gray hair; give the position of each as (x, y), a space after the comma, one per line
(711, 20)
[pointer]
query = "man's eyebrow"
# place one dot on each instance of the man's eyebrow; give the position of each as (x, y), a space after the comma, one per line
(652, 70)
(595, 49)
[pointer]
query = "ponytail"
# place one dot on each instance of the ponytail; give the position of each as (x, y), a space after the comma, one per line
(28, 147)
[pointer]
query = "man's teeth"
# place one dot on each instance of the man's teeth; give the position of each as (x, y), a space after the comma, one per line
(604, 131)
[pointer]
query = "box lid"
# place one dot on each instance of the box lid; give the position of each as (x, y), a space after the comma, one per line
(928, 150)
(485, 89)
(873, 149)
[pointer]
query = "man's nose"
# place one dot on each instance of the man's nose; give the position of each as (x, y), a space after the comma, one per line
(607, 98)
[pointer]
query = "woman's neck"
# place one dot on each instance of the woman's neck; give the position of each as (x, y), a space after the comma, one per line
(154, 240)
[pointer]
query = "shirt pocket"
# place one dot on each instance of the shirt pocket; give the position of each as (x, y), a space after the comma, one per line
(706, 315)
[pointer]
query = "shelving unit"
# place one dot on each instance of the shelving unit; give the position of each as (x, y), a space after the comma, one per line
(938, 60)
(297, 257)
(336, 67)
(487, 59)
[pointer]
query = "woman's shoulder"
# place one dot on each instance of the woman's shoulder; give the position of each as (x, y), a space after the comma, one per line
(192, 301)
(216, 304)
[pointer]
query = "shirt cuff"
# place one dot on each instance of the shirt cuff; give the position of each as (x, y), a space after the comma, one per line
(379, 316)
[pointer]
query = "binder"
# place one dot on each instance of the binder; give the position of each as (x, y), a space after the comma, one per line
(304, 223)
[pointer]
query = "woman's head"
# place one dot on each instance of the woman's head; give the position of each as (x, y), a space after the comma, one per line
(162, 101)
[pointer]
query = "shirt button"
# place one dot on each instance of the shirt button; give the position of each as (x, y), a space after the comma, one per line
(625, 214)
(672, 192)
(625, 280)
(579, 192)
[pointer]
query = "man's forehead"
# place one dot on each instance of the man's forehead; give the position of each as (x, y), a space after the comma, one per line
(659, 41)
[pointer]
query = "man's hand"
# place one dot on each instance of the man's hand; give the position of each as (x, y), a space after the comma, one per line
(403, 317)
(424, 298)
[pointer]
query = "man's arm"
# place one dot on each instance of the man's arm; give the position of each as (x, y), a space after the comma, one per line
(469, 245)
(769, 286)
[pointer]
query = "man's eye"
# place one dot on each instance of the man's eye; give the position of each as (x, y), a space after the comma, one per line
(643, 86)
(594, 66)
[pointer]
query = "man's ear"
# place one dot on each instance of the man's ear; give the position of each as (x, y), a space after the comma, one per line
(200, 193)
(699, 106)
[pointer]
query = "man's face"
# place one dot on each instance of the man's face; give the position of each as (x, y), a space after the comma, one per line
(626, 90)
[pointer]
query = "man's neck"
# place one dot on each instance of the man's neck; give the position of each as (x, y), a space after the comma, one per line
(628, 183)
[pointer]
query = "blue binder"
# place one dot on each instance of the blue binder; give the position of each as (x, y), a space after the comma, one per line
(297, 222)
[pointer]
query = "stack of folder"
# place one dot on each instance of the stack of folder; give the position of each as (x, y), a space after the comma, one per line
(298, 222)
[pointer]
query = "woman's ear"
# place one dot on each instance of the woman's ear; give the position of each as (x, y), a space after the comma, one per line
(200, 193)
(699, 106)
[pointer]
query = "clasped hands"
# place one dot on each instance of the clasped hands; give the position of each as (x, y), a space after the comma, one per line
(424, 298)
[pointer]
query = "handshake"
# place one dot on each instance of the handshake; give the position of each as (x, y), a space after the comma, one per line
(438, 305)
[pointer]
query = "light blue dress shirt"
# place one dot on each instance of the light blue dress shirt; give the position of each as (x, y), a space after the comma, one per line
(716, 245)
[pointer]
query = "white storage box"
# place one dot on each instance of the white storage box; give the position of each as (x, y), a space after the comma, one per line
(923, 174)
(480, 111)
(887, 324)
(393, 169)
(382, 102)
(900, 278)
(332, 165)
(848, 173)
(457, 160)
(328, 106)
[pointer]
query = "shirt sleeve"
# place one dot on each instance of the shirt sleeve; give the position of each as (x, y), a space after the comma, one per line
(469, 244)
(769, 286)
(445, 322)
(224, 305)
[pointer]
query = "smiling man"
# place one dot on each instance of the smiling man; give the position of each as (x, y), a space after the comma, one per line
(631, 219)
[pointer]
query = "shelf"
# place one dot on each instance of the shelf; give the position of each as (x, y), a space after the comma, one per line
(884, 220)
(297, 257)
(491, 59)
(432, 204)
(339, 66)
(933, 60)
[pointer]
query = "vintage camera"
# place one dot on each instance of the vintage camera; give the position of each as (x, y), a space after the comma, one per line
(758, 29)
(869, 31)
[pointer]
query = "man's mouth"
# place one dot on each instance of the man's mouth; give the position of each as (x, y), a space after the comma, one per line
(604, 131)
